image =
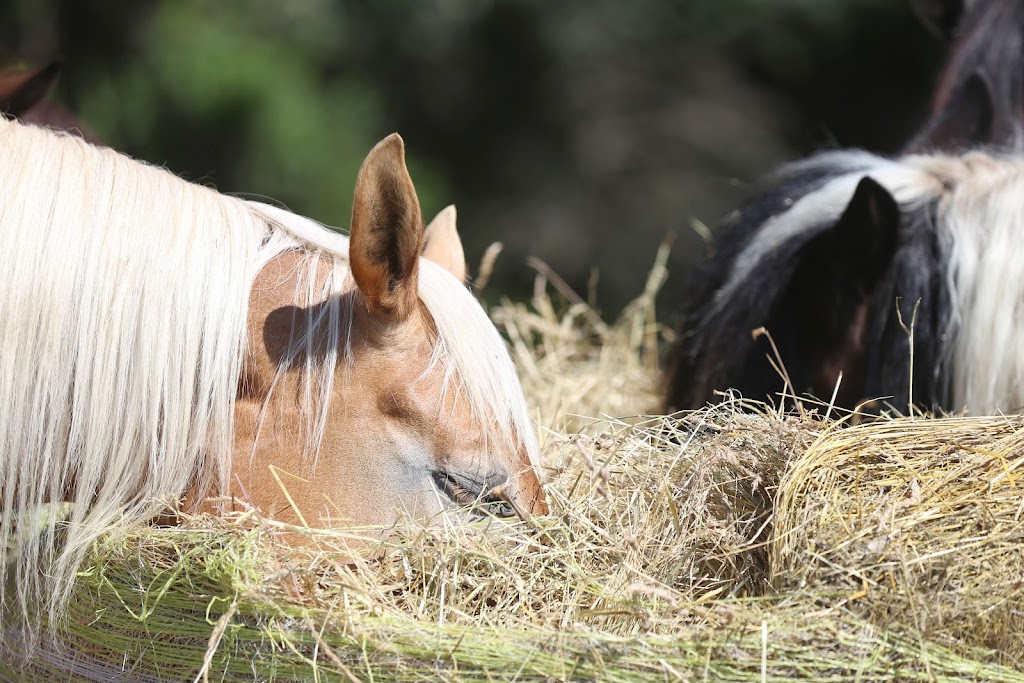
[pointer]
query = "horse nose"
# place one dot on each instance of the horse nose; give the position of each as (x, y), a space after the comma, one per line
(538, 501)
(540, 504)
(525, 492)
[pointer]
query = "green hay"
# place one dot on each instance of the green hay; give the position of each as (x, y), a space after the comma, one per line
(344, 636)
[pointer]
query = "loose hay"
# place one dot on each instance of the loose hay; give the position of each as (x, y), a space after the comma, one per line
(719, 545)
(574, 367)
(920, 520)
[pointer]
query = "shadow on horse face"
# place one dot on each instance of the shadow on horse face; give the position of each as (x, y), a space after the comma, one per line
(400, 435)
(396, 440)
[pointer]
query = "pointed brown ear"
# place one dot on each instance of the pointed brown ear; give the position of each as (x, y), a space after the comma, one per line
(441, 244)
(21, 91)
(387, 231)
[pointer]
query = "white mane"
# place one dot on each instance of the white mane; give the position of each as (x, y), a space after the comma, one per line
(978, 200)
(124, 317)
(982, 212)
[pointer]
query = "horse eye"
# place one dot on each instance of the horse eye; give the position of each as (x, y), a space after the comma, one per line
(452, 488)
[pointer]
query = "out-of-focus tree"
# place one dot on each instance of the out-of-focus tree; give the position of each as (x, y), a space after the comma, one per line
(579, 131)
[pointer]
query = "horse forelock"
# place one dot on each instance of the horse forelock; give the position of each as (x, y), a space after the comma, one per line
(480, 360)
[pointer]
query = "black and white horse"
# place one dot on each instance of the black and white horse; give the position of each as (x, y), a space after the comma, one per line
(900, 276)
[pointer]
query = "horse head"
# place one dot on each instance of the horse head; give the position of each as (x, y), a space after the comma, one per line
(808, 293)
(406, 430)
(848, 279)
(236, 355)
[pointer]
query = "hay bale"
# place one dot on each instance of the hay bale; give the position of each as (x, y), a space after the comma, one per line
(648, 518)
(915, 521)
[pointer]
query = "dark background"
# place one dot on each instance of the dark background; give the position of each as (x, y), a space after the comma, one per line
(579, 131)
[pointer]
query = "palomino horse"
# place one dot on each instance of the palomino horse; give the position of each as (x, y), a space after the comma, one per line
(162, 339)
(893, 276)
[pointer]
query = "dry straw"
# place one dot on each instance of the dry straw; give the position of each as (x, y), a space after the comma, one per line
(719, 545)
(919, 521)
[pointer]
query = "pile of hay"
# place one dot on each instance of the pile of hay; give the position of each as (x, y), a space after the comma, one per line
(919, 522)
(718, 545)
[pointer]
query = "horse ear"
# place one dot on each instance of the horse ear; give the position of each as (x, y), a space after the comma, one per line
(19, 92)
(866, 233)
(821, 321)
(967, 118)
(441, 244)
(941, 16)
(387, 231)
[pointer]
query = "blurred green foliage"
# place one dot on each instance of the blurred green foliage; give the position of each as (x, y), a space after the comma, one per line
(247, 90)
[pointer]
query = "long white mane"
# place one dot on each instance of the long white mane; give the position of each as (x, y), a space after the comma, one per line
(123, 309)
(976, 203)
(982, 212)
